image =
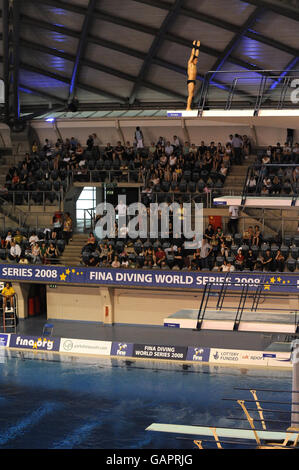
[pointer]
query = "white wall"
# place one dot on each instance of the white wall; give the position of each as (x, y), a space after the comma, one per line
(267, 130)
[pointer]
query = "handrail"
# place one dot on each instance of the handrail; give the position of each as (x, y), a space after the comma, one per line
(263, 166)
(258, 89)
(89, 176)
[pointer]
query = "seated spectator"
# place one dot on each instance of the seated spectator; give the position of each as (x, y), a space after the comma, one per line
(248, 235)
(267, 261)
(35, 253)
(160, 256)
(91, 241)
(18, 237)
(276, 186)
(8, 239)
(7, 293)
(91, 262)
(250, 260)
(239, 260)
(14, 252)
(33, 238)
(226, 267)
(279, 262)
(209, 232)
(51, 253)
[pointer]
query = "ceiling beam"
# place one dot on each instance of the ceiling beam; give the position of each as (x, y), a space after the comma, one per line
(102, 68)
(132, 52)
(82, 44)
(41, 93)
(67, 81)
(203, 17)
(158, 40)
(278, 7)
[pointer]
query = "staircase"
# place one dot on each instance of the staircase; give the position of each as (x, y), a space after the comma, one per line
(234, 182)
(72, 252)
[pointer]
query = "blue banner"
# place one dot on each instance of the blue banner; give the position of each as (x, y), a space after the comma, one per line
(122, 349)
(270, 282)
(4, 340)
(198, 354)
(34, 343)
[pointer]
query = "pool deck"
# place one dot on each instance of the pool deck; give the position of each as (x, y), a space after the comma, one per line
(156, 335)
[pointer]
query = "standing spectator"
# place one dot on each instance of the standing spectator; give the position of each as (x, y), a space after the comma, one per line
(67, 228)
(206, 257)
(233, 219)
(237, 145)
(139, 138)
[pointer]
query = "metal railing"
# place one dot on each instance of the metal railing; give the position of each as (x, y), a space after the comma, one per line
(107, 176)
(32, 198)
(261, 89)
(264, 170)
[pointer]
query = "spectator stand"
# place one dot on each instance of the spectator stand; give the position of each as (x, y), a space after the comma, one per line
(25, 239)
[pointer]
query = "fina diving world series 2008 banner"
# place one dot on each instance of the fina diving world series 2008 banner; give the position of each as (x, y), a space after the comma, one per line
(273, 282)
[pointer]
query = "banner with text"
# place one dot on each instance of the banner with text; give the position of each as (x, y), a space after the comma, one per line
(269, 282)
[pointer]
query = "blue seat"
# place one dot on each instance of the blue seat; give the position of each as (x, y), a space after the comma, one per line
(48, 329)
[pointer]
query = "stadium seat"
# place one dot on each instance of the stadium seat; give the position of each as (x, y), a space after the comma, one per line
(291, 265)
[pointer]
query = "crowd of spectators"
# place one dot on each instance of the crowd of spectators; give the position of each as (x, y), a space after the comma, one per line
(163, 166)
(43, 246)
(218, 251)
(276, 171)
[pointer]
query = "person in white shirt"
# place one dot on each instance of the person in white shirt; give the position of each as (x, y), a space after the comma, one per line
(139, 138)
(233, 220)
(176, 141)
(14, 252)
(33, 238)
(168, 149)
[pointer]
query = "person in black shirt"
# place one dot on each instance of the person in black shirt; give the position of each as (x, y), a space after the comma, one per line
(250, 260)
(267, 261)
(209, 232)
(201, 149)
(108, 152)
(89, 143)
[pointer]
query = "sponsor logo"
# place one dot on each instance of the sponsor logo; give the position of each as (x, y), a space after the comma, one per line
(121, 349)
(34, 343)
(85, 346)
(3, 340)
(67, 345)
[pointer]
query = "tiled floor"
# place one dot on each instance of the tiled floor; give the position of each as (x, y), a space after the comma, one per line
(149, 334)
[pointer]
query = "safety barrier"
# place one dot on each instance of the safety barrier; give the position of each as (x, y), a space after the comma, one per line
(185, 354)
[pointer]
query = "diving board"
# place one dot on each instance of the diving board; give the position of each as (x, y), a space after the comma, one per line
(235, 433)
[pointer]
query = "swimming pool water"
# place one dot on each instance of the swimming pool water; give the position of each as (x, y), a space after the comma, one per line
(107, 404)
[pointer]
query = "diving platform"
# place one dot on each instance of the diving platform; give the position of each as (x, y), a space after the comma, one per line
(265, 322)
(257, 201)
